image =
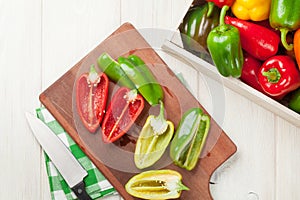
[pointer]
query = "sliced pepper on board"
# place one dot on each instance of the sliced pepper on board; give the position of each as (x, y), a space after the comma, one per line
(153, 140)
(158, 93)
(197, 24)
(113, 70)
(285, 16)
(190, 138)
(91, 97)
(143, 85)
(123, 109)
(224, 45)
(156, 184)
(278, 76)
(257, 40)
(255, 10)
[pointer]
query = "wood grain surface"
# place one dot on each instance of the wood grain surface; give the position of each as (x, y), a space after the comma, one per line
(58, 98)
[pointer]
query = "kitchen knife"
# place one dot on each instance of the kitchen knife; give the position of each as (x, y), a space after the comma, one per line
(60, 155)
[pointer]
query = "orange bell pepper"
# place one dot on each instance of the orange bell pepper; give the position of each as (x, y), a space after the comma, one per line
(297, 46)
(254, 10)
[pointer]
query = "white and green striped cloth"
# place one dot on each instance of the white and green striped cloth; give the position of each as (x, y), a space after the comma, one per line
(96, 184)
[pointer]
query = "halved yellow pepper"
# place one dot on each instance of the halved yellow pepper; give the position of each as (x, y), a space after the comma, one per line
(255, 10)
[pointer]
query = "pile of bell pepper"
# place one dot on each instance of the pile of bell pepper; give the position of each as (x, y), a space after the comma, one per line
(255, 41)
(138, 85)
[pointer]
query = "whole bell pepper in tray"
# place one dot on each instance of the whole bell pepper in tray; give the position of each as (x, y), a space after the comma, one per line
(91, 97)
(278, 76)
(221, 3)
(285, 16)
(196, 25)
(224, 45)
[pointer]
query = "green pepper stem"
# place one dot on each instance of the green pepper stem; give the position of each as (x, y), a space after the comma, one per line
(222, 15)
(210, 8)
(273, 75)
(182, 187)
(283, 33)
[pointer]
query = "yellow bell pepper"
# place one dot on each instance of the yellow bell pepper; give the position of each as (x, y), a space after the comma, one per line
(255, 10)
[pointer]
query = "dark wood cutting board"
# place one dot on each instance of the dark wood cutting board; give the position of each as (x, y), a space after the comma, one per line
(115, 160)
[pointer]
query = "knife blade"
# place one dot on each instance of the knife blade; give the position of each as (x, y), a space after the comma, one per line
(60, 155)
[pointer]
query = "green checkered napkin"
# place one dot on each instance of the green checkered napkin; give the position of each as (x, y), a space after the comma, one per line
(96, 184)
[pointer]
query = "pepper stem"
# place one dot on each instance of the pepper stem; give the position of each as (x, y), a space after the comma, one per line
(159, 123)
(273, 75)
(222, 15)
(210, 8)
(182, 187)
(93, 75)
(283, 33)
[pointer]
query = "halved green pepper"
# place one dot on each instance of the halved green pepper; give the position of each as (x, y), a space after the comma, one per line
(156, 184)
(285, 16)
(113, 70)
(141, 82)
(225, 48)
(190, 138)
(140, 64)
(153, 140)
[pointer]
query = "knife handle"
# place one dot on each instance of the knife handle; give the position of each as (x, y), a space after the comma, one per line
(80, 191)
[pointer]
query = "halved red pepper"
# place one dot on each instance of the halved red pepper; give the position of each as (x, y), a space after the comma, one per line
(124, 108)
(91, 97)
(257, 40)
(278, 76)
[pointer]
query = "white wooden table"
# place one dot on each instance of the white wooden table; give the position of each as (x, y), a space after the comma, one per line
(40, 40)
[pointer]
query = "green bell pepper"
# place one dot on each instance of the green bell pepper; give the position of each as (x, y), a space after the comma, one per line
(285, 16)
(225, 48)
(294, 102)
(140, 64)
(153, 140)
(114, 71)
(197, 24)
(143, 85)
(190, 138)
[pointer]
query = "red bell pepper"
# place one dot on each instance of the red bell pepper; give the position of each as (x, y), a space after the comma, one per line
(91, 97)
(250, 72)
(257, 40)
(124, 108)
(221, 3)
(278, 76)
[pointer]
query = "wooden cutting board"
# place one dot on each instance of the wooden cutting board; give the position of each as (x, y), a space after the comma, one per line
(115, 160)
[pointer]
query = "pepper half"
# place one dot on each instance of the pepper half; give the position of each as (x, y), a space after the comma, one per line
(224, 45)
(158, 93)
(124, 108)
(190, 138)
(143, 85)
(113, 70)
(91, 97)
(278, 76)
(153, 140)
(285, 16)
(156, 184)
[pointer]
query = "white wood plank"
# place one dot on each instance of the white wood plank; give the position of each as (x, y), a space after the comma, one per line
(287, 160)
(71, 29)
(250, 173)
(20, 60)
